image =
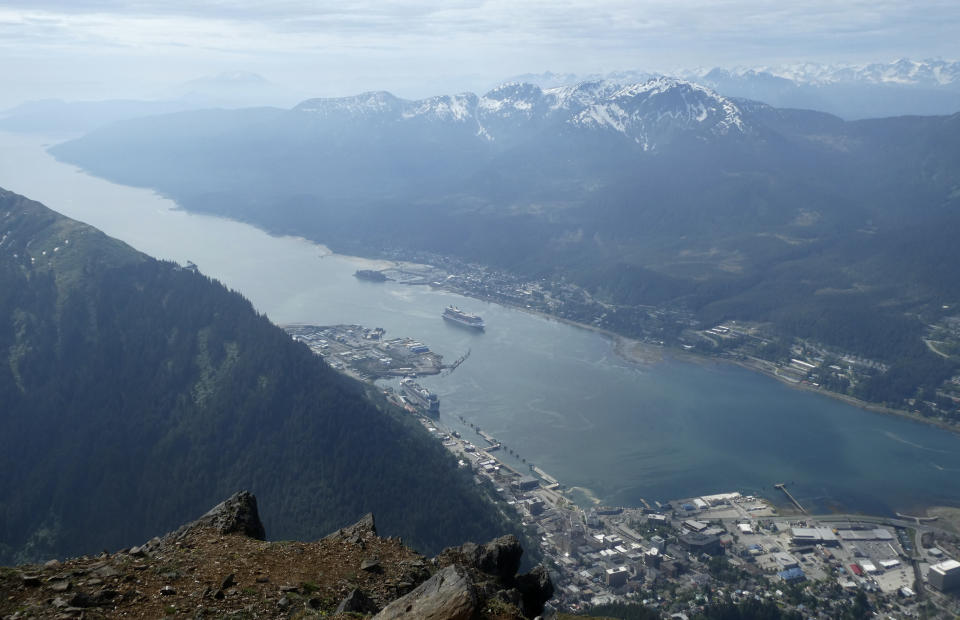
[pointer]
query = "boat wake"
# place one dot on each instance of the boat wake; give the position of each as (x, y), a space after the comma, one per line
(900, 439)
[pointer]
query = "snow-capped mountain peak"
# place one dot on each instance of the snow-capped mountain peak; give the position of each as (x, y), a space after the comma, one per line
(459, 108)
(647, 113)
(662, 106)
(581, 94)
(902, 71)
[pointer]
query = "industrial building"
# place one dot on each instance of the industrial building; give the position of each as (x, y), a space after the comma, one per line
(526, 483)
(802, 536)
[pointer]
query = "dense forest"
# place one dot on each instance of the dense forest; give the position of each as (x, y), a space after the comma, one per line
(136, 393)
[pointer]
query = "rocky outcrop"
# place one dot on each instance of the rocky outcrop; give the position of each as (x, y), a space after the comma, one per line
(355, 533)
(494, 566)
(236, 515)
(499, 557)
(219, 565)
(536, 589)
(448, 595)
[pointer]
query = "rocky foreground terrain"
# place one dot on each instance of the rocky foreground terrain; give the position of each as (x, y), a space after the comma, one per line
(221, 566)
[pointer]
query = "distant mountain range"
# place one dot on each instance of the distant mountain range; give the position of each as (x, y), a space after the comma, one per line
(850, 91)
(644, 113)
(58, 117)
(235, 89)
(656, 193)
(135, 392)
(931, 73)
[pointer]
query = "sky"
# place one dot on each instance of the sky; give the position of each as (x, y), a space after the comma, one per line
(96, 49)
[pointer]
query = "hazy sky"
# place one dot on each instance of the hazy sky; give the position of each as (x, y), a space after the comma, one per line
(94, 49)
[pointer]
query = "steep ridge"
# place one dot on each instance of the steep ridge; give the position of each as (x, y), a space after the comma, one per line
(135, 390)
(219, 565)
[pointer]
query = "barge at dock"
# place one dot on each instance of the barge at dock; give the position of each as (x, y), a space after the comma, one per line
(458, 316)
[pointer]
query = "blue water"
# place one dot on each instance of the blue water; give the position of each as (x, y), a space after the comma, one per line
(556, 394)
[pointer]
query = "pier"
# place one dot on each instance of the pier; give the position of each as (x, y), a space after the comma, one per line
(918, 520)
(550, 479)
(488, 437)
(449, 369)
(783, 487)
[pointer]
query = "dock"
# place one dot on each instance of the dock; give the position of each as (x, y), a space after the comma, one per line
(783, 487)
(367, 354)
(918, 520)
(490, 439)
(550, 479)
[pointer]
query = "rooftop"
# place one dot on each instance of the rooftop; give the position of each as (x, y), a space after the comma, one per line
(946, 566)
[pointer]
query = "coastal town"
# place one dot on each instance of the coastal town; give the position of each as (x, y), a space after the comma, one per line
(803, 363)
(683, 555)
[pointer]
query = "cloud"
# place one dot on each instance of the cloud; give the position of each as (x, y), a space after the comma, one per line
(605, 23)
(380, 43)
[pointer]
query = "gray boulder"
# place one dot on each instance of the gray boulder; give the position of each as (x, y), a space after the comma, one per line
(448, 595)
(356, 602)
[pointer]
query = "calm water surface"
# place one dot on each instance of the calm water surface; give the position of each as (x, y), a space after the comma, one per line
(553, 393)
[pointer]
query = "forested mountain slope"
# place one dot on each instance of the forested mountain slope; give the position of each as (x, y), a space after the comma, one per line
(135, 393)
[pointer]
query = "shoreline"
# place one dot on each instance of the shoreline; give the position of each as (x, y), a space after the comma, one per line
(625, 348)
(845, 398)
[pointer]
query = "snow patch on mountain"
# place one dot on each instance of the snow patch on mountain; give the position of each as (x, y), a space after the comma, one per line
(662, 104)
(579, 95)
(458, 108)
(930, 73)
(643, 112)
(511, 98)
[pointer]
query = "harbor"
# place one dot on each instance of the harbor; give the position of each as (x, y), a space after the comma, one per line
(664, 554)
(367, 354)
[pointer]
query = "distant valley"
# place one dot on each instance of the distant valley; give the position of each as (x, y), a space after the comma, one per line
(830, 239)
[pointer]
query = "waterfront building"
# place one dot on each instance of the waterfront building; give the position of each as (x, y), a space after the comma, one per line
(945, 576)
(808, 536)
(527, 483)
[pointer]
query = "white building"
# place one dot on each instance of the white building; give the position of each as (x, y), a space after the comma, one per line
(945, 575)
